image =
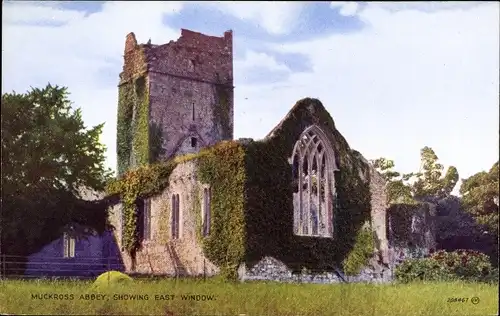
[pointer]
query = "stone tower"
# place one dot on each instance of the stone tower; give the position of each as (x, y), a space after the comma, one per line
(174, 98)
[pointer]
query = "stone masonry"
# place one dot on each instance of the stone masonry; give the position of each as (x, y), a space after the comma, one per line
(271, 269)
(378, 212)
(183, 78)
(162, 255)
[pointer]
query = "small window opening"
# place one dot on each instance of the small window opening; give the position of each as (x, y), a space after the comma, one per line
(175, 217)
(69, 246)
(193, 110)
(191, 65)
(194, 142)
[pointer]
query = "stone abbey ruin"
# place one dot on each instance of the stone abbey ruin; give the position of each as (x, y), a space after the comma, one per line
(299, 204)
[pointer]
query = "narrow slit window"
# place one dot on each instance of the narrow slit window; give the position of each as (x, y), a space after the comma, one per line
(147, 219)
(175, 217)
(194, 142)
(207, 192)
(122, 225)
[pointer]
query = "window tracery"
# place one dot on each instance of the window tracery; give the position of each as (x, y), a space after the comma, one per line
(314, 194)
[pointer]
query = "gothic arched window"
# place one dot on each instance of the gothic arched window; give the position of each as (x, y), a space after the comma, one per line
(313, 166)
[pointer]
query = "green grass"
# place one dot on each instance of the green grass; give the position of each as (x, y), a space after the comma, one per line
(262, 298)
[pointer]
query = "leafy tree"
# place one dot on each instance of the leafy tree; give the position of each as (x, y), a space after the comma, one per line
(430, 180)
(480, 197)
(48, 157)
(398, 191)
(427, 182)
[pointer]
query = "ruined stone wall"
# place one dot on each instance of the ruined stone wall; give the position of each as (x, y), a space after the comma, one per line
(172, 102)
(411, 231)
(378, 211)
(161, 255)
(192, 74)
(135, 62)
(187, 76)
(115, 219)
(194, 56)
(271, 269)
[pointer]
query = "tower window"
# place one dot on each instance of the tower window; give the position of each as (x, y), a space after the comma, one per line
(191, 65)
(194, 142)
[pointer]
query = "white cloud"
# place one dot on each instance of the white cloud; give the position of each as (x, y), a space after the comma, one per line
(275, 17)
(352, 8)
(346, 8)
(427, 6)
(431, 76)
(29, 13)
(411, 78)
(253, 60)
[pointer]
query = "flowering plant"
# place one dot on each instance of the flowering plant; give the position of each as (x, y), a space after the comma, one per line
(467, 265)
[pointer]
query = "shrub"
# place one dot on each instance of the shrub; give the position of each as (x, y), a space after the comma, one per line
(466, 265)
(360, 254)
(491, 277)
(111, 278)
(423, 269)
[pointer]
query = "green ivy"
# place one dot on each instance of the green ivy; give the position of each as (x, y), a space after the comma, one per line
(141, 141)
(361, 253)
(139, 183)
(124, 126)
(163, 226)
(269, 210)
(134, 143)
(196, 211)
(400, 217)
(252, 206)
(223, 167)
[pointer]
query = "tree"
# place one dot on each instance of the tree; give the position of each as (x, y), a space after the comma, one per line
(427, 182)
(430, 180)
(48, 157)
(480, 197)
(398, 191)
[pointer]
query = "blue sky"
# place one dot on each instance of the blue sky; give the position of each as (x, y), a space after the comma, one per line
(394, 76)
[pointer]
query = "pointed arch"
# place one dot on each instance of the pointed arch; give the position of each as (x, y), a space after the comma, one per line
(192, 142)
(313, 165)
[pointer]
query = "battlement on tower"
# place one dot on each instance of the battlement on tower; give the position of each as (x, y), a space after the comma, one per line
(193, 54)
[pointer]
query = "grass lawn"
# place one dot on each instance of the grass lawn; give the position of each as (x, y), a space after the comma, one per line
(171, 297)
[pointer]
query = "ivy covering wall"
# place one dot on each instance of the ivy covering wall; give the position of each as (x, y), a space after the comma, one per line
(399, 223)
(252, 206)
(223, 168)
(269, 210)
(133, 135)
(140, 183)
(124, 126)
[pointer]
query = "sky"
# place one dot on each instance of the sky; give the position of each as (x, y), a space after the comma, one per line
(395, 77)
